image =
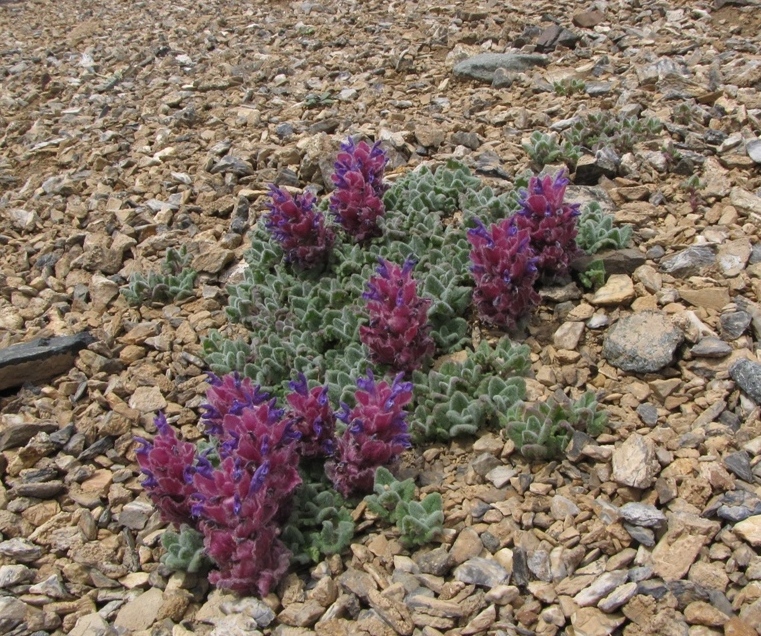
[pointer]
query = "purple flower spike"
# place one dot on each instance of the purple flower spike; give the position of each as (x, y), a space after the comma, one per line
(311, 417)
(166, 462)
(504, 268)
(398, 333)
(357, 201)
(550, 222)
(239, 504)
(376, 434)
(299, 228)
(229, 395)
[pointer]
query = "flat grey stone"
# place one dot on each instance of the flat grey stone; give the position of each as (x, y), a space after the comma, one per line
(643, 342)
(688, 262)
(734, 324)
(739, 464)
(436, 562)
(233, 165)
(645, 536)
(480, 571)
(640, 514)
(17, 574)
(21, 550)
(648, 414)
(483, 66)
(40, 359)
(623, 261)
(711, 347)
(753, 148)
(747, 374)
(18, 434)
(12, 612)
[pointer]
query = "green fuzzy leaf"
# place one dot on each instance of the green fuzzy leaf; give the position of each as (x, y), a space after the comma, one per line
(542, 431)
(184, 551)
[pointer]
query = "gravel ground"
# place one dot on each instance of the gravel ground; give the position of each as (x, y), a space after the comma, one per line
(127, 128)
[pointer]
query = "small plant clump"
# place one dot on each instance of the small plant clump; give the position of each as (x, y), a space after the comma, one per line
(185, 551)
(320, 524)
(567, 87)
(175, 282)
(542, 431)
(692, 185)
(235, 493)
(593, 277)
(597, 232)
(462, 397)
(544, 150)
(598, 130)
(418, 521)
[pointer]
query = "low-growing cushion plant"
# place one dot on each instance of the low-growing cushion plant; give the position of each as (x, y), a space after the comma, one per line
(300, 417)
(542, 431)
(174, 283)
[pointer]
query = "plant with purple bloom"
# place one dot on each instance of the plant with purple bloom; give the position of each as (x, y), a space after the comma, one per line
(312, 418)
(550, 222)
(357, 201)
(504, 268)
(375, 435)
(398, 333)
(228, 394)
(299, 228)
(167, 462)
(240, 504)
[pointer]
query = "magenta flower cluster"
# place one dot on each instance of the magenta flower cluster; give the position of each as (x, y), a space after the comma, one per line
(550, 222)
(357, 201)
(238, 492)
(510, 256)
(504, 268)
(312, 418)
(376, 433)
(239, 503)
(398, 333)
(299, 227)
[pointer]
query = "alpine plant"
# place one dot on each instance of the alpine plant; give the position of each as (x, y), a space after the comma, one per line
(398, 333)
(550, 222)
(238, 491)
(299, 227)
(312, 417)
(167, 463)
(375, 435)
(357, 201)
(504, 269)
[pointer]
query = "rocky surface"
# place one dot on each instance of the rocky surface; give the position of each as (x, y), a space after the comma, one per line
(127, 128)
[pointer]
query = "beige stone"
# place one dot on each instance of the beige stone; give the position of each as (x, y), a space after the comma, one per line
(618, 290)
(141, 612)
(675, 553)
(750, 530)
(590, 621)
(702, 613)
(708, 298)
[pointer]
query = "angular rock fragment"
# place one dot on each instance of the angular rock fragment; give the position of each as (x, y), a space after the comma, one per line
(747, 374)
(642, 343)
(40, 359)
(634, 462)
(482, 66)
